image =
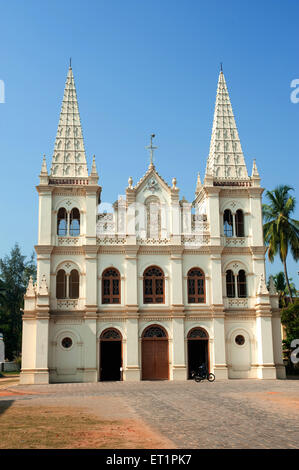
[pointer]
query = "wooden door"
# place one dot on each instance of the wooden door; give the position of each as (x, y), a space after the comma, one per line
(155, 359)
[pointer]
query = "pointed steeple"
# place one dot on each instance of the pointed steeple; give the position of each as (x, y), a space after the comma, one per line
(255, 172)
(69, 159)
(93, 177)
(255, 176)
(43, 176)
(198, 184)
(94, 170)
(226, 160)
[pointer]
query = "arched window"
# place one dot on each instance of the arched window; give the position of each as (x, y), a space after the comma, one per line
(111, 286)
(241, 283)
(62, 222)
(74, 222)
(230, 284)
(228, 223)
(239, 223)
(154, 331)
(153, 285)
(196, 286)
(74, 284)
(61, 284)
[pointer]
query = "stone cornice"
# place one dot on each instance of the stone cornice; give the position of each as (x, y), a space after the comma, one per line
(44, 249)
(68, 250)
(44, 188)
(258, 250)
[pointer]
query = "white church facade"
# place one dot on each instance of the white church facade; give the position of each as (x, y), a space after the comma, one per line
(157, 286)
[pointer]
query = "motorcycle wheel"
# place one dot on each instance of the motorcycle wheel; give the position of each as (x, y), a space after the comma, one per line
(211, 377)
(198, 378)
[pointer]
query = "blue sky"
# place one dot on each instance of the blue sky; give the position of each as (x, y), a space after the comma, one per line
(144, 66)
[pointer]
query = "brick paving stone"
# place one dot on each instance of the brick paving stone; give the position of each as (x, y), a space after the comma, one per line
(224, 414)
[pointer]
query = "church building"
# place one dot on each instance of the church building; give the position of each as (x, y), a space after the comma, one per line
(158, 285)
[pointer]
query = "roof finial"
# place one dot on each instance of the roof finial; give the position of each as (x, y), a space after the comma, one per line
(151, 149)
(70, 62)
(221, 69)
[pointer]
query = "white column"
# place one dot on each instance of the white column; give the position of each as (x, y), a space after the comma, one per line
(45, 216)
(266, 368)
(131, 278)
(220, 366)
(256, 220)
(133, 368)
(214, 215)
(179, 368)
(90, 350)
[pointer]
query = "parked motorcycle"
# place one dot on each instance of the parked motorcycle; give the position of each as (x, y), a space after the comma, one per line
(201, 374)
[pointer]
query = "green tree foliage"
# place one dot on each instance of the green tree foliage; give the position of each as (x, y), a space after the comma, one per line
(282, 288)
(281, 232)
(15, 271)
(290, 319)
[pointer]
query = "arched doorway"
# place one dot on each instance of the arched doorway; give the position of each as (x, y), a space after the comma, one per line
(155, 359)
(198, 349)
(110, 355)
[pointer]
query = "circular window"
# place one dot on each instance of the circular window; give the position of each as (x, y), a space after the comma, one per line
(66, 343)
(240, 340)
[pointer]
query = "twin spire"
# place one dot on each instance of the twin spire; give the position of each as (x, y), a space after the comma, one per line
(69, 158)
(226, 160)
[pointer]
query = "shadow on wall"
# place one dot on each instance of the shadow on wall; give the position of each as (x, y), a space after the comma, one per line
(4, 405)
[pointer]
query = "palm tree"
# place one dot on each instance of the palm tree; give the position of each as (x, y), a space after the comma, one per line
(281, 232)
(282, 288)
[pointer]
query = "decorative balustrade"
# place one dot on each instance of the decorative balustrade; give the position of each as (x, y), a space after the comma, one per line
(68, 241)
(234, 241)
(67, 304)
(236, 303)
(196, 239)
(111, 240)
(153, 241)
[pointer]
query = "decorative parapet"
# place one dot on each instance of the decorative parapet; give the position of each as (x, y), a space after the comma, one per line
(234, 241)
(153, 241)
(67, 304)
(68, 241)
(112, 240)
(236, 303)
(195, 240)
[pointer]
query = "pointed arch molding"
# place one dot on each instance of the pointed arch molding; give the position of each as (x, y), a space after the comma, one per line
(67, 265)
(69, 203)
(235, 266)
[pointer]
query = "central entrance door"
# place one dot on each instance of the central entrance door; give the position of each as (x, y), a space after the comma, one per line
(110, 355)
(198, 349)
(155, 360)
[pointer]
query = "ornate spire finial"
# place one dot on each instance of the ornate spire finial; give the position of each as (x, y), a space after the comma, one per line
(254, 169)
(94, 166)
(151, 150)
(43, 288)
(262, 288)
(30, 292)
(44, 170)
(198, 184)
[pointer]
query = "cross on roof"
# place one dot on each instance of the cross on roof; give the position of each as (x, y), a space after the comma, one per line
(151, 149)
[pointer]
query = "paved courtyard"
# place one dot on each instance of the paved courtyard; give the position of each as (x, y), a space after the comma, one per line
(223, 414)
